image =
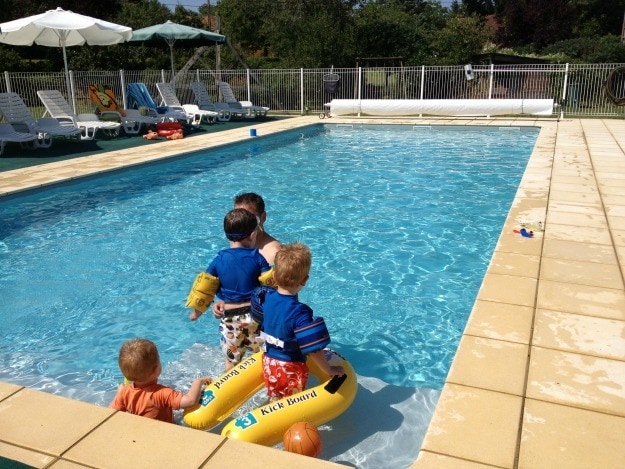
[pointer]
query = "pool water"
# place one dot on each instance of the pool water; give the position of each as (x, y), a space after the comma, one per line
(401, 222)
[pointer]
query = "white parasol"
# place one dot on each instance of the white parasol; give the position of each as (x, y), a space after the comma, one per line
(62, 28)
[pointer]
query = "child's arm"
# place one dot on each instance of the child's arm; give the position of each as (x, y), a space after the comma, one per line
(320, 359)
(193, 396)
(113, 404)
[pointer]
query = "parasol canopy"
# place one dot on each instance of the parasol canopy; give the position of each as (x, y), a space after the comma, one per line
(170, 33)
(62, 28)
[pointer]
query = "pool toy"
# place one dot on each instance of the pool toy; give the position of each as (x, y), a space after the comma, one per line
(303, 438)
(526, 234)
(203, 291)
(267, 424)
(175, 135)
(165, 129)
(151, 135)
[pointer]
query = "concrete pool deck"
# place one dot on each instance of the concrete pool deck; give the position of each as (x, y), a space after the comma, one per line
(538, 380)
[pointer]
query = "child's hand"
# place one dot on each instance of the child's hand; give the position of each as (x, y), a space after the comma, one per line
(218, 309)
(195, 314)
(337, 370)
(205, 381)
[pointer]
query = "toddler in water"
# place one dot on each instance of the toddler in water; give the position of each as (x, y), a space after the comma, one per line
(233, 274)
(288, 327)
(141, 365)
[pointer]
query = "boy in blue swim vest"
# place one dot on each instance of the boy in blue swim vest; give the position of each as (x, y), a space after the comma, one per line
(288, 327)
(234, 274)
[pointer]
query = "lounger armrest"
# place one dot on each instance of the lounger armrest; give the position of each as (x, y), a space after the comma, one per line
(23, 126)
(111, 116)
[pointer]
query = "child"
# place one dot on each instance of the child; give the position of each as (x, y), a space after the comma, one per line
(266, 244)
(287, 326)
(141, 365)
(235, 273)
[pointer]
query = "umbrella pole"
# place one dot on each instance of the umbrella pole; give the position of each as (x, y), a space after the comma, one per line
(69, 91)
(171, 57)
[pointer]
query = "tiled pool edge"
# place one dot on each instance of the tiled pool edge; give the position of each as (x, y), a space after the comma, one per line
(525, 387)
(514, 269)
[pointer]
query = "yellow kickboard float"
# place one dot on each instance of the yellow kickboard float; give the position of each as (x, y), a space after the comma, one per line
(203, 291)
(266, 424)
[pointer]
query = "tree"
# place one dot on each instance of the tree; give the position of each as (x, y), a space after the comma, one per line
(295, 33)
(605, 49)
(537, 22)
(461, 39)
(598, 17)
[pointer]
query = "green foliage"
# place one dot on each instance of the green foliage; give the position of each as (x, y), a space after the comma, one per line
(340, 33)
(461, 39)
(605, 49)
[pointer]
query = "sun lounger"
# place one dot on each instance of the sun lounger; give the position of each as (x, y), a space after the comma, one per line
(139, 97)
(89, 124)
(9, 134)
(204, 101)
(197, 115)
(107, 104)
(19, 116)
(247, 108)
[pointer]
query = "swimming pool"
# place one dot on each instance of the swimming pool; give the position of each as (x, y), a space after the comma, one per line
(401, 223)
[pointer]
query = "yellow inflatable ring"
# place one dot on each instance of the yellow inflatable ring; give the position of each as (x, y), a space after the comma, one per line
(266, 424)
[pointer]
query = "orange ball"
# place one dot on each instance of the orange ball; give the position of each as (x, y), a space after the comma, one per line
(303, 438)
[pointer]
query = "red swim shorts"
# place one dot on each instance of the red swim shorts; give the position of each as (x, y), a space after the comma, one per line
(283, 378)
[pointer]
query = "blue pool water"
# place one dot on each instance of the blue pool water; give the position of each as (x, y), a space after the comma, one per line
(401, 222)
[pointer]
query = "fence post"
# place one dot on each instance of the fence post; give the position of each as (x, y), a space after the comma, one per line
(7, 79)
(301, 91)
(490, 81)
(247, 79)
(359, 88)
(422, 85)
(564, 90)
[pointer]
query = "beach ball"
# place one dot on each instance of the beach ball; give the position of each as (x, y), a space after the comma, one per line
(303, 438)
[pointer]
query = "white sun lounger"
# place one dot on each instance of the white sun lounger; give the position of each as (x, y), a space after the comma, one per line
(244, 107)
(9, 134)
(204, 101)
(108, 105)
(89, 124)
(19, 116)
(196, 115)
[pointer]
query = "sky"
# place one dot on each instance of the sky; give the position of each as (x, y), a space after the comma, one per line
(188, 4)
(195, 4)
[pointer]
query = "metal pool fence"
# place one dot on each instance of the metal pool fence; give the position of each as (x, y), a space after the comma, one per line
(586, 90)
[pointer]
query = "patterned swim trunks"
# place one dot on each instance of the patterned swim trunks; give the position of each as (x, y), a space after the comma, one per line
(238, 334)
(283, 378)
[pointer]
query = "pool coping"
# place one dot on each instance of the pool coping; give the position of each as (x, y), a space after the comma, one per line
(539, 375)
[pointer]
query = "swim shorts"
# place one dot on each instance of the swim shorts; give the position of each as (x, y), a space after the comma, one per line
(238, 334)
(283, 378)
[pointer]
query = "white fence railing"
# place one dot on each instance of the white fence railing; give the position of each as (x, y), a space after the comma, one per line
(580, 90)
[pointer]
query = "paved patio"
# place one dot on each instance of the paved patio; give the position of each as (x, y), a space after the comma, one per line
(538, 380)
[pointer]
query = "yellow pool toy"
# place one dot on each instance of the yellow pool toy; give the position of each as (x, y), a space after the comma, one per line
(266, 424)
